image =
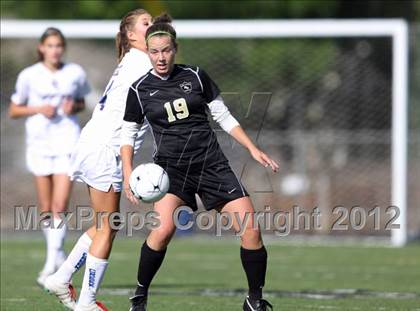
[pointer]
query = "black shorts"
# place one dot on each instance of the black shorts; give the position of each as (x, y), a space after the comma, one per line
(216, 184)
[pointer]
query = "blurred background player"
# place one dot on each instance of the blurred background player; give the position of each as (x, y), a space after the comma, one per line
(96, 162)
(174, 100)
(49, 94)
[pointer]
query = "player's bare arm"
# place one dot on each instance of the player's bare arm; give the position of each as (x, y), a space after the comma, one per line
(241, 137)
(21, 111)
(127, 162)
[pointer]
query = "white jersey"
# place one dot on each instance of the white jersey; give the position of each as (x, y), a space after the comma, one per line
(36, 86)
(104, 128)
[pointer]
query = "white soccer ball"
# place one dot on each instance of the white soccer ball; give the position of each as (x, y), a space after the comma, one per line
(149, 182)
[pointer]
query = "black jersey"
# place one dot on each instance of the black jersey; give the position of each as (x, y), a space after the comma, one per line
(176, 108)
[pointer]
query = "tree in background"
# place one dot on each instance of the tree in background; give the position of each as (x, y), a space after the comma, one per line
(206, 9)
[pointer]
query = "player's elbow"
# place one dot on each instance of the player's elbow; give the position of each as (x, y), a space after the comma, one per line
(228, 123)
(126, 151)
(126, 147)
(12, 112)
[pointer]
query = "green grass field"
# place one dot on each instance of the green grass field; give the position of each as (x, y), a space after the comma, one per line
(205, 274)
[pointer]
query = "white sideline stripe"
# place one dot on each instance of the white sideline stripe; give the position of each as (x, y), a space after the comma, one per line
(14, 299)
(321, 295)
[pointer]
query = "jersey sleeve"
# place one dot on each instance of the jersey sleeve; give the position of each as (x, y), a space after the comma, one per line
(133, 109)
(221, 114)
(140, 135)
(21, 94)
(210, 88)
(129, 132)
(83, 87)
(133, 118)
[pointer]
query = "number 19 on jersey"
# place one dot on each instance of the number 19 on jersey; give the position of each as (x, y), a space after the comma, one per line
(180, 107)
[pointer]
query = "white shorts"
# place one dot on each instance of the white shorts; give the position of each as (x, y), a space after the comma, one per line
(97, 166)
(44, 165)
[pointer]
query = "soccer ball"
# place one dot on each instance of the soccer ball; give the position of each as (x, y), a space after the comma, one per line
(149, 182)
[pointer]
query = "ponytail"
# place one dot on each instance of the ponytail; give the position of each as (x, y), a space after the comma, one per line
(122, 43)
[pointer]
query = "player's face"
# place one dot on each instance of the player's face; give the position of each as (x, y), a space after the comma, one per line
(138, 32)
(162, 54)
(52, 49)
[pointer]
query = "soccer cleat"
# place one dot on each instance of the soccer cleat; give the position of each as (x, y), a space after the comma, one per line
(96, 306)
(256, 305)
(42, 276)
(65, 292)
(138, 303)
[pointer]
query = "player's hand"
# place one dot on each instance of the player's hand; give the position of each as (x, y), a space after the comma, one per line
(264, 159)
(129, 194)
(68, 106)
(48, 111)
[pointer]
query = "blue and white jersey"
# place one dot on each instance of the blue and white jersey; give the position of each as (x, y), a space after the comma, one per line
(36, 86)
(104, 128)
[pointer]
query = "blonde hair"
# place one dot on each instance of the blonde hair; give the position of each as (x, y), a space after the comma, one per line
(127, 23)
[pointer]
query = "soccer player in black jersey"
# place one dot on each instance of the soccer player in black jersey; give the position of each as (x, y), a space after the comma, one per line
(174, 100)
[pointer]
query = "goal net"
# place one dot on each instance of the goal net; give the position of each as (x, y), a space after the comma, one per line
(328, 99)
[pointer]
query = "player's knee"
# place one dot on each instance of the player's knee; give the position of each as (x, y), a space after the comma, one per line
(251, 237)
(91, 231)
(106, 232)
(115, 222)
(161, 237)
(165, 238)
(109, 225)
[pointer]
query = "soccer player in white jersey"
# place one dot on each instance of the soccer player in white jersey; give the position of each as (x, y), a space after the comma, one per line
(96, 162)
(49, 94)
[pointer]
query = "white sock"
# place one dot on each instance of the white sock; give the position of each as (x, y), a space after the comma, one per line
(60, 259)
(49, 265)
(55, 241)
(94, 273)
(58, 235)
(75, 260)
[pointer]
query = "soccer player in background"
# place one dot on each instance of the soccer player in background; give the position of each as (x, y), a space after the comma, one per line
(96, 162)
(174, 100)
(49, 94)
